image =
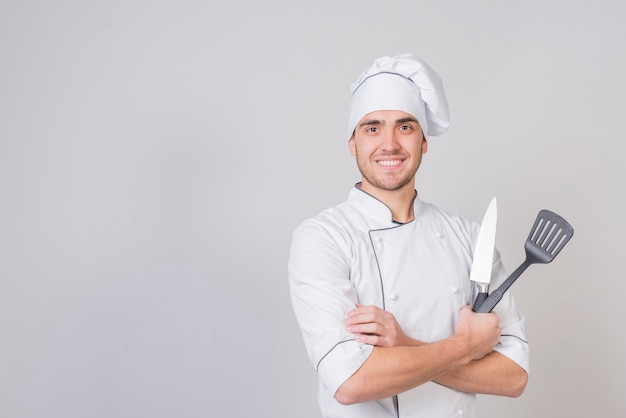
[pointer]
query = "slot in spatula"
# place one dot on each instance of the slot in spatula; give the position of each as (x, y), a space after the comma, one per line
(547, 238)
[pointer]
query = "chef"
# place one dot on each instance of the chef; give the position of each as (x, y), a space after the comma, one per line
(380, 283)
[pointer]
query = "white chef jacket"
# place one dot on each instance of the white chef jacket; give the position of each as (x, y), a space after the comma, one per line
(419, 271)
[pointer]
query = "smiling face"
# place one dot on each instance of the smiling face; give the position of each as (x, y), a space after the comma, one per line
(388, 146)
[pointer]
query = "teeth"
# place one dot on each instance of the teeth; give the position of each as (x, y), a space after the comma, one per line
(389, 163)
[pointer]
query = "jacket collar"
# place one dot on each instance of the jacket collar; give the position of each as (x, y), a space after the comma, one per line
(376, 209)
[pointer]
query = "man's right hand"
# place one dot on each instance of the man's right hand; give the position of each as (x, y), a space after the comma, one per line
(478, 332)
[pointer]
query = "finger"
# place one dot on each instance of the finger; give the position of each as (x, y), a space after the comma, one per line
(362, 317)
(369, 328)
(371, 339)
(369, 314)
(363, 309)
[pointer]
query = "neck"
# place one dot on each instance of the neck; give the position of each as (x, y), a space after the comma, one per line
(400, 201)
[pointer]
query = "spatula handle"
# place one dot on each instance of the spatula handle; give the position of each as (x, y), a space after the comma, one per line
(497, 294)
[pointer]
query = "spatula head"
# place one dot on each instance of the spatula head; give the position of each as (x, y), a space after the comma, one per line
(547, 237)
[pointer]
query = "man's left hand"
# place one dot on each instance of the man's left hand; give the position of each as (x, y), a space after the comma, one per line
(375, 326)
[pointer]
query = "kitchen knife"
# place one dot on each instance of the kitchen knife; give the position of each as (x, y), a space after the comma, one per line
(483, 253)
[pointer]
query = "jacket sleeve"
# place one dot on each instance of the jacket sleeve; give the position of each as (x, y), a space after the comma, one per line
(321, 295)
(512, 343)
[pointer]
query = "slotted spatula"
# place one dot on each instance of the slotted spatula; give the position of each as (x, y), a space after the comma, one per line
(547, 238)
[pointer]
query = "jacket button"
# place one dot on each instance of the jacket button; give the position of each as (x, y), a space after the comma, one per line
(393, 296)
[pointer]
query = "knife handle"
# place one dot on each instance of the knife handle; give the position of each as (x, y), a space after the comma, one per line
(490, 302)
(480, 298)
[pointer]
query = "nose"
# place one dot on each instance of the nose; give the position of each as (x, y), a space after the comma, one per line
(389, 140)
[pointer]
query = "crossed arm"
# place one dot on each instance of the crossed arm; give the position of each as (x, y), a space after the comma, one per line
(465, 361)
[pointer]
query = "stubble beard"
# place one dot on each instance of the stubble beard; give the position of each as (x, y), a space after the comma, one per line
(380, 183)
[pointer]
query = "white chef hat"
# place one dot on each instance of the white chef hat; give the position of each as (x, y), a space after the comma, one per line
(406, 83)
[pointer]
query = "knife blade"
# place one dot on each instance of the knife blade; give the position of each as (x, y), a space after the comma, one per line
(483, 253)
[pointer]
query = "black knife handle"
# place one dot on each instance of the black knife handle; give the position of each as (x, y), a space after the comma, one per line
(490, 302)
(480, 298)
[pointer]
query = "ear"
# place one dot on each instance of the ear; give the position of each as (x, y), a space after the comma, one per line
(424, 146)
(352, 146)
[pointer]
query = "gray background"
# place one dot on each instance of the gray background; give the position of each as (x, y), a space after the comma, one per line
(155, 157)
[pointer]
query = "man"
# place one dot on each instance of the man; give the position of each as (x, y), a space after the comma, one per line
(380, 283)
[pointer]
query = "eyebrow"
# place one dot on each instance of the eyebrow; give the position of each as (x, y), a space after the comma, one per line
(371, 122)
(405, 120)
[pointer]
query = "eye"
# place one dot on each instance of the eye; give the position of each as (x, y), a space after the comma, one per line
(406, 127)
(372, 129)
